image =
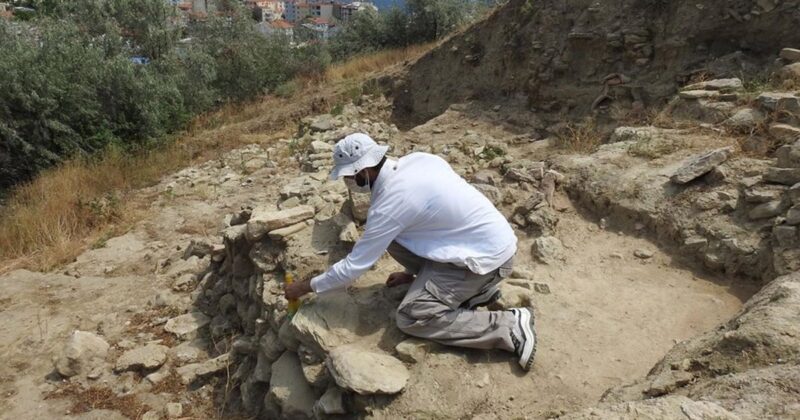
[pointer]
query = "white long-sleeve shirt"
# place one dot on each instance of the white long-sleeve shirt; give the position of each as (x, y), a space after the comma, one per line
(420, 202)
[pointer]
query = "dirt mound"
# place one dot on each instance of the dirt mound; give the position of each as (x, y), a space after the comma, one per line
(567, 58)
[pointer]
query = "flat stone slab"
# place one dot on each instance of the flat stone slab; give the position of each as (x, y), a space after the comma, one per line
(190, 373)
(321, 147)
(328, 322)
(264, 220)
(698, 94)
(716, 84)
(186, 326)
(148, 357)
(366, 372)
(283, 233)
(700, 165)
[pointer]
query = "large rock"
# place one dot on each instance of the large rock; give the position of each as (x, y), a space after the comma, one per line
(745, 120)
(785, 176)
(548, 249)
(186, 326)
(83, 352)
(700, 165)
(366, 372)
(289, 389)
(789, 155)
(328, 321)
(766, 210)
(791, 55)
(779, 101)
(149, 357)
(790, 73)
(784, 133)
(265, 220)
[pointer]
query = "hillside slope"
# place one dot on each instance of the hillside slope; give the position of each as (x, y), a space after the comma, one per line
(566, 57)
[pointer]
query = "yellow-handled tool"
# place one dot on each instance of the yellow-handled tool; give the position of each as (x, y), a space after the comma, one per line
(294, 304)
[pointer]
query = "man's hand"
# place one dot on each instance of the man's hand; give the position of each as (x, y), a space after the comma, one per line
(297, 289)
(400, 278)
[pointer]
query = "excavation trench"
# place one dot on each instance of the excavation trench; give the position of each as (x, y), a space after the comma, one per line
(608, 318)
(609, 304)
(608, 308)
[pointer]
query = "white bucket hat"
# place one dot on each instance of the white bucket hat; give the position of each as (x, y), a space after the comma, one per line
(354, 153)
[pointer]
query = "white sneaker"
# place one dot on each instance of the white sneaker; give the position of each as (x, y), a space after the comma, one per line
(524, 346)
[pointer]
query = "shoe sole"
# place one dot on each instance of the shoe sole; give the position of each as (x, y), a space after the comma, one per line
(525, 318)
(484, 300)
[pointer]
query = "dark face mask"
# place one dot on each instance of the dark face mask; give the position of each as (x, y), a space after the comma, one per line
(359, 183)
(362, 179)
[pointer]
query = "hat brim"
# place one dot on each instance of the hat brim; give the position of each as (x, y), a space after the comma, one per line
(370, 159)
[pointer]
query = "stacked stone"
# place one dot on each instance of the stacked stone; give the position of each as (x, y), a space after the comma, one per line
(246, 301)
(779, 203)
(712, 101)
(295, 367)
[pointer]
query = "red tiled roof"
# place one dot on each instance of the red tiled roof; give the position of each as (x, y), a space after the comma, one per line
(321, 21)
(281, 24)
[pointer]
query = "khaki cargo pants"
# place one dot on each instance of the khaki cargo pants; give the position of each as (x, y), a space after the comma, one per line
(432, 308)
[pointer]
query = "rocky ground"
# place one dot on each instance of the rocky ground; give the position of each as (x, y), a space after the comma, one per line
(662, 269)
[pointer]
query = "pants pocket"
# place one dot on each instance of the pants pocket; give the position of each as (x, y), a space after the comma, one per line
(454, 285)
(506, 269)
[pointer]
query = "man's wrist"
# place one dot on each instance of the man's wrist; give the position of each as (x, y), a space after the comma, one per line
(309, 287)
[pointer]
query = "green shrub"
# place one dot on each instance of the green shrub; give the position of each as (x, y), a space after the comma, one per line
(69, 85)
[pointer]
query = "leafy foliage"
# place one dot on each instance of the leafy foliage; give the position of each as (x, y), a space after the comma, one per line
(421, 21)
(71, 84)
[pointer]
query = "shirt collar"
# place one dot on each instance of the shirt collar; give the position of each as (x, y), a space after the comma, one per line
(386, 174)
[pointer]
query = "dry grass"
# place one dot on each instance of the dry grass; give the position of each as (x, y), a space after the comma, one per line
(52, 219)
(581, 137)
(371, 63)
(85, 400)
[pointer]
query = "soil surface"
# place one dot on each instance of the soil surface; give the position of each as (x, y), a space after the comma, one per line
(608, 318)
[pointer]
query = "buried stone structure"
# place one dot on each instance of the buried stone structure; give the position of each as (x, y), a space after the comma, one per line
(341, 351)
(309, 363)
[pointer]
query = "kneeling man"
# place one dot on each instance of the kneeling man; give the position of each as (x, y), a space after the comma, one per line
(455, 246)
